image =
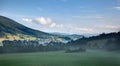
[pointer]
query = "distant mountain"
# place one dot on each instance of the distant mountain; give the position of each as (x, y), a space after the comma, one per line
(57, 33)
(89, 35)
(69, 36)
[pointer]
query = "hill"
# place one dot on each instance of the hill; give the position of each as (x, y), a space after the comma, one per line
(12, 30)
(68, 36)
(110, 41)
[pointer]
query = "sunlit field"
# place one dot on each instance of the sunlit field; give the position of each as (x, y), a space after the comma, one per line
(60, 58)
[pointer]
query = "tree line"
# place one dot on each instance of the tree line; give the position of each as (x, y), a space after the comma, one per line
(29, 46)
(112, 42)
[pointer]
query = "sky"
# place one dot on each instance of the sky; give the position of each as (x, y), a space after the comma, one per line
(65, 16)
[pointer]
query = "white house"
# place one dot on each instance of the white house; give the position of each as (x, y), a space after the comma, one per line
(1, 44)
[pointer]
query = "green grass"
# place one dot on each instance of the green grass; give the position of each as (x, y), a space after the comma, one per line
(89, 58)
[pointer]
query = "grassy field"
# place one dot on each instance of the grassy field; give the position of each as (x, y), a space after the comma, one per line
(89, 58)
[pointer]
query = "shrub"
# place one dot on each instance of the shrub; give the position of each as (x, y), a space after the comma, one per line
(69, 50)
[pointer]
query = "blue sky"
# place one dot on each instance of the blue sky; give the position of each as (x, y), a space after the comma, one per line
(65, 16)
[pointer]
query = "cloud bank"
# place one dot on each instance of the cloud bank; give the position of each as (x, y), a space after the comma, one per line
(117, 7)
(48, 22)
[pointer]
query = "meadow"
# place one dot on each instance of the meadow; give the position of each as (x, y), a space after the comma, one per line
(60, 58)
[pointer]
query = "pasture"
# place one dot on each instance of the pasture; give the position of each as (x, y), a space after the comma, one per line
(60, 58)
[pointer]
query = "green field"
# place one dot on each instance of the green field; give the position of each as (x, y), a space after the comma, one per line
(59, 58)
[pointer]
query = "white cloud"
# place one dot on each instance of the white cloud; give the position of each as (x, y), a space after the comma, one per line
(111, 27)
(77, 30)
(27, 20)
(118, 5)
(89, 16)
(106, 28)
(42, 20)
(117, 8)
(53, 25)
(50, 25)
(97, 29)
(84, 29)
(48, 22)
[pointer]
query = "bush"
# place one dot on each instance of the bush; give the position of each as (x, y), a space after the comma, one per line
(69, 50)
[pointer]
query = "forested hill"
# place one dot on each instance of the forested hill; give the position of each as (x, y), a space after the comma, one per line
(109, 41)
